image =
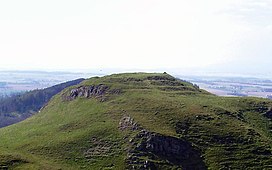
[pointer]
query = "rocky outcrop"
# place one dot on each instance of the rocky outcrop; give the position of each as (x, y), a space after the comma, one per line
(127, 123)
(268, 114)
(87, 92)
(150, 150)
(163, 151)
(166, 146)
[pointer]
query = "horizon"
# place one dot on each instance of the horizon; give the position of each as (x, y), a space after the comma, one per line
(226, 37)
(185, 74)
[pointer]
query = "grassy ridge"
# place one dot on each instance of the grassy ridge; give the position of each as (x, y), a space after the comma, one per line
(84, 133)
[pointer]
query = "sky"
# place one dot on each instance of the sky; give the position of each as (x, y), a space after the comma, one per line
(230, 36)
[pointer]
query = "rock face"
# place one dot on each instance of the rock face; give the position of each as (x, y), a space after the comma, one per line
(166, 146)
(87, 92)
(150, 150)
(268, 114)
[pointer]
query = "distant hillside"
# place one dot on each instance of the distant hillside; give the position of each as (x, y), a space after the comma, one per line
(142, 121)
(19, 107)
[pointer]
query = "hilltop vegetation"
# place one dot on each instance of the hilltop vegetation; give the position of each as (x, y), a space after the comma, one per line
(141, 121)
(19, 107)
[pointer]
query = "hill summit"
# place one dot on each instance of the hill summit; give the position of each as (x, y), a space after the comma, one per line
(141, 121)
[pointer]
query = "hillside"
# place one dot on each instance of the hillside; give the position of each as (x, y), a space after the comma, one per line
(19, 107)
(141, 121)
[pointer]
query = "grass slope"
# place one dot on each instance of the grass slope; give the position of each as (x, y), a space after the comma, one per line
(230, 133)
(19, 107)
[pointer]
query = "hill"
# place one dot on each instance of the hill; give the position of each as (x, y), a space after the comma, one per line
(141, 121)
(19, 107)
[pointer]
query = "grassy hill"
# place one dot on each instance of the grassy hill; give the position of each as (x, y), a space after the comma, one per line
(141, 121)
(16, 108)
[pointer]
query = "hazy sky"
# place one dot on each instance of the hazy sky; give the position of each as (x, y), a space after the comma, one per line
(226, 35)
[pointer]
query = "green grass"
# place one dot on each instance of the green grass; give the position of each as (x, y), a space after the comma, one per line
(229, 132)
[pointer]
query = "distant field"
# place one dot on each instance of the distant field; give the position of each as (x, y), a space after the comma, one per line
(14, 82)
(234, 86)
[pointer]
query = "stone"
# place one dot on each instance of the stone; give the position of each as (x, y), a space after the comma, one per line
(86, 92)
(127, 123)
(268, 114)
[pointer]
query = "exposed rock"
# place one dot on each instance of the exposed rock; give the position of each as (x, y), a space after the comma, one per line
(268, 114)
(127, 123)
(115, 91)
(87, 92)
(171, 148)
(149, 150)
